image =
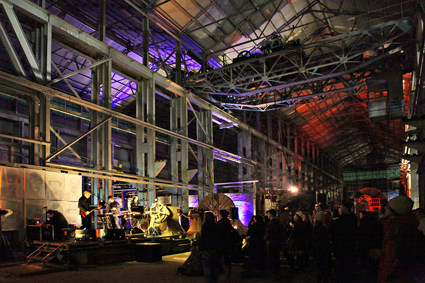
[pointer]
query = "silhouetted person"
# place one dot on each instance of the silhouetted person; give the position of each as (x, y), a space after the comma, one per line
(274, 237)
(402, 246)
(208, 247)
(84, 206)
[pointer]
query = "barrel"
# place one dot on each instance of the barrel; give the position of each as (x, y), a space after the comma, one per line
(148, 252)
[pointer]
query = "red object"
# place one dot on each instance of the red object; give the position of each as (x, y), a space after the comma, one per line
(373, 196)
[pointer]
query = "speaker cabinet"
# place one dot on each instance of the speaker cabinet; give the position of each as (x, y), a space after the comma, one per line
(85, 235)
(115, 234)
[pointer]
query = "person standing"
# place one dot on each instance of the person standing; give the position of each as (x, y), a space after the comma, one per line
(296, 242)
(208, 247)
(344, 232)
(85, 212)
(369, 245)
(402, 245)
(321, 249)
(114, 208)
(257, 245)
(420, 216)
(225, 242)
(274, 238)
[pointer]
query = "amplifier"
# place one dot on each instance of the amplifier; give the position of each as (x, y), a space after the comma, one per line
(40, 232)
(115, 234)
(85, 235)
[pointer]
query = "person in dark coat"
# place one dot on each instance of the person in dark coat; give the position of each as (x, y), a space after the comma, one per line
(225, 242)
(297, 240)
(273, 237)
(369, 243)
(257, 245)
(58, 221)
(321, 249)
(343, 233)
(208, 243)
(84, 206)
(402, 245)
(54, 217)
(308, 234)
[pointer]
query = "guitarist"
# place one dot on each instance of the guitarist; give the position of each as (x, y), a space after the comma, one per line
(85, 212)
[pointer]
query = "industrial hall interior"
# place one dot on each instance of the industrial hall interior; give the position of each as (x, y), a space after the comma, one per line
(122, 123)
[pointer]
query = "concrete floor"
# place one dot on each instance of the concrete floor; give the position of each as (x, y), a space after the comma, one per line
(164, 271)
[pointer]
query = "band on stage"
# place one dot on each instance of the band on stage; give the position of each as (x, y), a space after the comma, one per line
(110, 214)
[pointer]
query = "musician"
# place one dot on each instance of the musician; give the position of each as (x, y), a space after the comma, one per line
(114, 208)
(84, 206)
(59, 222)
(54, 217)
(134, 202)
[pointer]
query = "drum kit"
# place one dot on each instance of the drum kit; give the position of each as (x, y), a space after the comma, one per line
(132, 220)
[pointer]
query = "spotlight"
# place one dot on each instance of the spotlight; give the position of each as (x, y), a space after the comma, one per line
(293, 189)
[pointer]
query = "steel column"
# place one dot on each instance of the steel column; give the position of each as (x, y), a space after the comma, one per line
(244, 150)
(205, 155)
(179, 149)
(13, 56)
(44, 127)
(23, 41)
(106, 128)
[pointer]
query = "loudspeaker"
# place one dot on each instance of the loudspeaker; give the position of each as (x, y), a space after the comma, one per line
(235, 213)
(115, 234)
(85, 235)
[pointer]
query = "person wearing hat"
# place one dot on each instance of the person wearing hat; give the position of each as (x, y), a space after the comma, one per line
(85, 212)
(321, 248)
(402, 245)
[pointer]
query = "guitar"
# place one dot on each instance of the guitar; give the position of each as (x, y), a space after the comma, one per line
(85, 214)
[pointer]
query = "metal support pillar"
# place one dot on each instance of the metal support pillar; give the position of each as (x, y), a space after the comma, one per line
(44, 129)
(102, 20)
(13, 55)
(145, 111)
(146, 33)
(23, 42)
(178, 79)
(140, 137)
(33, 111)
(106, 69)
(244, 150)
(179, 150)
(205, 155)
(95, 161)
(262, 160)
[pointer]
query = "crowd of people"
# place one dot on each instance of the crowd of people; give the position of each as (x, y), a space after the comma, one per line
(383, 246)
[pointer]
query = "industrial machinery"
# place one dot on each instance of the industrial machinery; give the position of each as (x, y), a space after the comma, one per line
(164, 221)
(370, 199)
(215, 203)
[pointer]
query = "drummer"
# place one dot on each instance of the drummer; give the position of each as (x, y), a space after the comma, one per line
(114, 209)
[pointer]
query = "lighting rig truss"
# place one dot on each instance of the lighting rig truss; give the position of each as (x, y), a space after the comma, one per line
(294, 73)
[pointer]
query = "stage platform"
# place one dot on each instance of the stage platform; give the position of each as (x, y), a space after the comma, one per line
(101, 251)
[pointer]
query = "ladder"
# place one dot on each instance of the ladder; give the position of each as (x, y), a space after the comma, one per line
(45, 253)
